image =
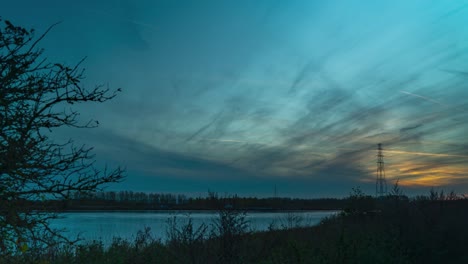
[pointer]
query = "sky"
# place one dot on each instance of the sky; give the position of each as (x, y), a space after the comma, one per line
(238, 96)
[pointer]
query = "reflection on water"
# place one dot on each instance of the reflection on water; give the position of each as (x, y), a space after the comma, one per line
(107, 225)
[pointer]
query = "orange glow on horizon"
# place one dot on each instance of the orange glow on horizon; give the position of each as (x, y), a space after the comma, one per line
(423, 174)
(425, 153)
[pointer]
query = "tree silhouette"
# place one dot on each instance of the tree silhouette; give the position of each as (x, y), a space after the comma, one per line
(35, 99)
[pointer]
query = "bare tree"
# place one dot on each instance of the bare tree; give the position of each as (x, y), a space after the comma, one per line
(35, 99)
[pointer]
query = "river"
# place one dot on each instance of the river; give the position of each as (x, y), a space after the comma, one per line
(106, 226)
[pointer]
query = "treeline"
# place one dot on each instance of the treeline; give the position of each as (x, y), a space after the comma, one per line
(129, 200)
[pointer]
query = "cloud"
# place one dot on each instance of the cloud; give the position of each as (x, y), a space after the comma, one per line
(261, 92)
(150, 160)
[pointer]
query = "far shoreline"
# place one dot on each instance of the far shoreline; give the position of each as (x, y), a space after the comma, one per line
(192, 210)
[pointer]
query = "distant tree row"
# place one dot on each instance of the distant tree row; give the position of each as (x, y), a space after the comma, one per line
(143, 201)
(130, 196)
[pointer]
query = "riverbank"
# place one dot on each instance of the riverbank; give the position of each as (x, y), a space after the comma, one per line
(386, 230)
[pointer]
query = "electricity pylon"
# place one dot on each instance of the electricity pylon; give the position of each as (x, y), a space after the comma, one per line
(381, 184)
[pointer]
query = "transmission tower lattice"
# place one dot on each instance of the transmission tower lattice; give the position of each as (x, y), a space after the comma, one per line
(381, 184)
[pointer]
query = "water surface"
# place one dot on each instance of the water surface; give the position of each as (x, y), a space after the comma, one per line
(107, 225)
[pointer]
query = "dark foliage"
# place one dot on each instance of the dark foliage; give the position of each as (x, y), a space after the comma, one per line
(129, 200)
(35, 99)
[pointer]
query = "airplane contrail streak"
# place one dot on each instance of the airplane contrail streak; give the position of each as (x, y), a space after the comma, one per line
(228, 140)
(422, 97)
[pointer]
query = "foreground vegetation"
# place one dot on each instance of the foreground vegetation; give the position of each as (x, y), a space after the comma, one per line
(392, 229)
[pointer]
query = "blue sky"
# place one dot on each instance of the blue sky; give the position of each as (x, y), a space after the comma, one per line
(240, 96)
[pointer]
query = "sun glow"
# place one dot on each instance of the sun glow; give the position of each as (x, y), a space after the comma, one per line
(422, 174)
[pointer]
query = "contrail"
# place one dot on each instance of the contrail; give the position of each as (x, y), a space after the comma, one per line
(234, 141)
(422, 97)
(228, 140)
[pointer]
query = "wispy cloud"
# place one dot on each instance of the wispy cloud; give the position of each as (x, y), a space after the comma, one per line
(426, 154)
(257, 108)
